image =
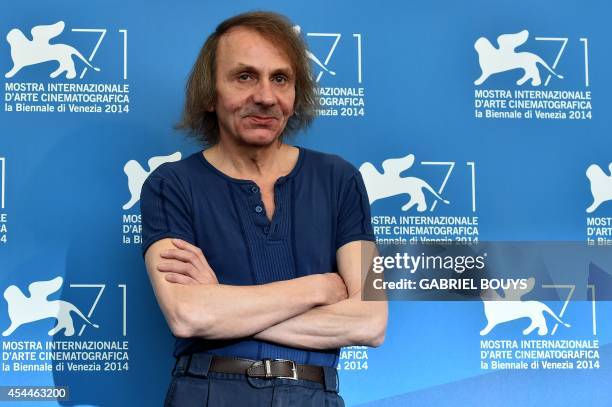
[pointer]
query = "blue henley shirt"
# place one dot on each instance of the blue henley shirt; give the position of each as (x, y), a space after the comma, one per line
(321, 205)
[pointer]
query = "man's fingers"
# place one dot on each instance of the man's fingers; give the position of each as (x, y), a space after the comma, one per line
(176, 267)
(180, 279)
(182, 255)
(181, 244)
(188, 257)
(204, 276)
(187, 260)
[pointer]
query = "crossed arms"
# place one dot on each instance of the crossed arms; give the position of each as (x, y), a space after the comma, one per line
(320, 311)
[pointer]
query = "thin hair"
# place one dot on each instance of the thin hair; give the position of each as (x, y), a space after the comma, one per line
(200, 91)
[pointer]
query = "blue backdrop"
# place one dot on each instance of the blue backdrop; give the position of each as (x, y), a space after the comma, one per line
(395, 79)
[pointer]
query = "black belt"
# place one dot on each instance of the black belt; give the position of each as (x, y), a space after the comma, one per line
(264, 369)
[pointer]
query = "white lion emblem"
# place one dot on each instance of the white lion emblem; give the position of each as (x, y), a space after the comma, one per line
(23, 310)
(601, 185)
(25, 52)
(137, 175)
(510, 307)
(389, 183)
(496, 60)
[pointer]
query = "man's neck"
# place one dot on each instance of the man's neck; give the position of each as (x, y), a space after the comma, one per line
(252, 162)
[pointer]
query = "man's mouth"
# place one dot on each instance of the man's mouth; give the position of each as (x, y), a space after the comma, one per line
(262, 120)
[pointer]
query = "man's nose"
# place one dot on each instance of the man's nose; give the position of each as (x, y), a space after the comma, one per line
(264, 94)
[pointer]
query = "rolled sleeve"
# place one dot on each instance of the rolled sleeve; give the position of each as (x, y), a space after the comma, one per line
(165, 210)
(354, 221)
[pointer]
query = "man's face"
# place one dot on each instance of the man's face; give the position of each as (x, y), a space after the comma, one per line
(255, 88)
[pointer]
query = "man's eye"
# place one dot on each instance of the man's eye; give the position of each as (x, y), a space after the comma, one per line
(280, 79)
(244, 76)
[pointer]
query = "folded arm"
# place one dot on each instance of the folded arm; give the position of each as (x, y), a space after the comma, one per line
(196, 305)
(348, 322)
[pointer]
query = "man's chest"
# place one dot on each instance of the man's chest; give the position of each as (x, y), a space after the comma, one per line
(256, 234)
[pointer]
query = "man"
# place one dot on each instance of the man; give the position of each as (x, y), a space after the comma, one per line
(255, 248)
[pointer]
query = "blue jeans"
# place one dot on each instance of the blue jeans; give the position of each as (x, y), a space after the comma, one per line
(194, 385)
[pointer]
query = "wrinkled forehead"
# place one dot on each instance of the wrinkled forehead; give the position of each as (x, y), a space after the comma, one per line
(246, 46)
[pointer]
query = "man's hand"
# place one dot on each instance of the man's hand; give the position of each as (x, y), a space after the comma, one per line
(195, 304)
(187, 265)
(348, 322)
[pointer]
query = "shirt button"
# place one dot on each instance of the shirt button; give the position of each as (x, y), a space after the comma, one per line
(254, 189)
(266, 229)
(258, 209)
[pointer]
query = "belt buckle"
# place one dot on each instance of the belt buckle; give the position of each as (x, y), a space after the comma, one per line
(268, 368)
(293, 369)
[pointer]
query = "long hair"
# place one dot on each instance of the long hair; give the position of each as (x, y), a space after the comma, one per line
(200, 91)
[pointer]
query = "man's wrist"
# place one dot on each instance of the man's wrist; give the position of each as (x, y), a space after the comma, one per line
(329, 289)
(318, 289)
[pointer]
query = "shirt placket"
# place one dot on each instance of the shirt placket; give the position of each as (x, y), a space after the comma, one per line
(257, 209)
